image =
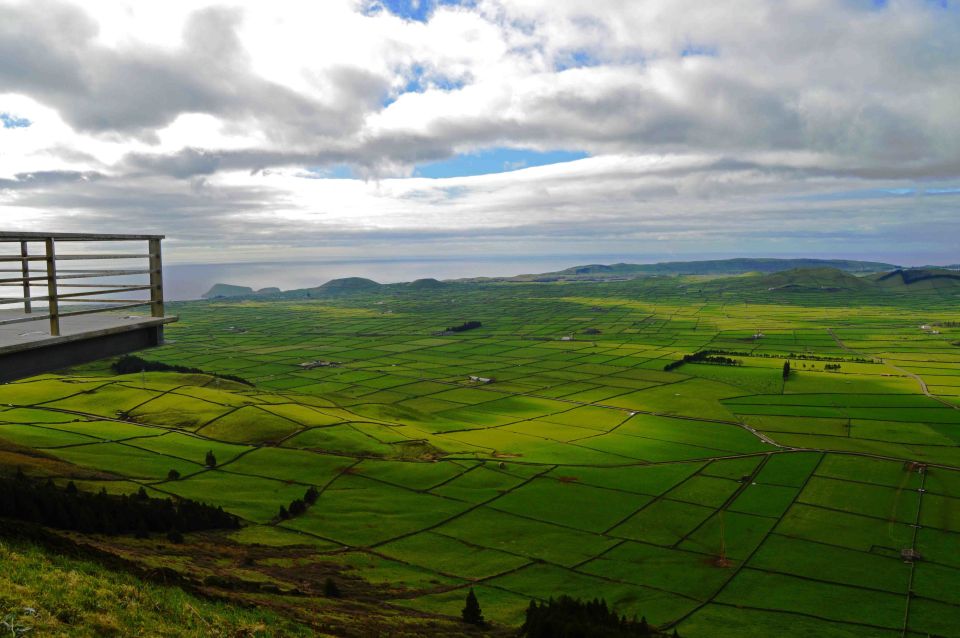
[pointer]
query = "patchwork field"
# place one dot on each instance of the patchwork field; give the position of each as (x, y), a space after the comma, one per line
(720, 500)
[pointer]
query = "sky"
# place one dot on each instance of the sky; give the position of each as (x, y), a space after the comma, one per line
(486, 129)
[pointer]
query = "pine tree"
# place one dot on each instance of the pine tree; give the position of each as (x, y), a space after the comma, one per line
(644, 626)
(211, 460)
(786, 370)
(471, 611)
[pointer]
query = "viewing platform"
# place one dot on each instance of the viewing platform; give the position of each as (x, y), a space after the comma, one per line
(67, 309)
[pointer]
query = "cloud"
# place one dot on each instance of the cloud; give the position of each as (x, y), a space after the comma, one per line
(722, 120)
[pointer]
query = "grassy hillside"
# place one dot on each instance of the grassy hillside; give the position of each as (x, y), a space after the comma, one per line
(44, 593)
(547, 453)
(827, 280)
(920, 279)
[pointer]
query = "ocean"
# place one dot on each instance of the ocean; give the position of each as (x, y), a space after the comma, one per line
(190, 281)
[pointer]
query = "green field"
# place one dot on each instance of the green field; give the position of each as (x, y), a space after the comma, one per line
(717, 500)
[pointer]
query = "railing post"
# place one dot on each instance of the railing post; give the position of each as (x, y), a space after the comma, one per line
(25, 269)
(156, 279)
(54, 308)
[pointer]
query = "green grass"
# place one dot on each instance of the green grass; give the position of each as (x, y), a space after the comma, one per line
(75, 597)
(584, 468)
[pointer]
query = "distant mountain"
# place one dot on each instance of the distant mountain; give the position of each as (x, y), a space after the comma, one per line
(227, 290)
(726, 267)
(427, 284)
(346, 285)
(917, 278)
(222, 291)
(813, 279)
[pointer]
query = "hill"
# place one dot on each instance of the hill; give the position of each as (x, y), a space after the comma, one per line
(222, 291)
(427, 284)
(346, 285)
(227, 290)
(916, 278)
(738, 266)
(726, 267)
(812, 279)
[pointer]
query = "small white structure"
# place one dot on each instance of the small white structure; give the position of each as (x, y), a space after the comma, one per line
(481, 380)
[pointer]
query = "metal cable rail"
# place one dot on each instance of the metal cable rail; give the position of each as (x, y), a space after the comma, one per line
(50, 278)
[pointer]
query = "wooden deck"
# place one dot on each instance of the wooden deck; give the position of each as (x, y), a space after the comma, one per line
(28, 348)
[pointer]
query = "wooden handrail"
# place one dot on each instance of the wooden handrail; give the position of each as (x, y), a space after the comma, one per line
(53, 277)
(28, 236)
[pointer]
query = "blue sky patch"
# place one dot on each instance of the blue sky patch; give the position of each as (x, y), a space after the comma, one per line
(877, 193)
(692, 50)
(12, 121)
(418, 10)
(338, 171)
(496, 160)
(578, 59)
(420, 79)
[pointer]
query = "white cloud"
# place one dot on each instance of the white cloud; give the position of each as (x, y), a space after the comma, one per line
(703, 119)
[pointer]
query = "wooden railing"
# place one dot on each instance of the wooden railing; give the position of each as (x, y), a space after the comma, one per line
(42, 247)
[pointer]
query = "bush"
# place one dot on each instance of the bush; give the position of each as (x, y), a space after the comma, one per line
(297, 508)
(330, 589)
(463, 327)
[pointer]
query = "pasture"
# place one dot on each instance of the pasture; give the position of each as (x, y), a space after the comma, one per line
(718, 500)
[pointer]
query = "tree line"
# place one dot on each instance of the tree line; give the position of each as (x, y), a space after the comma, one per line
(130, 364)
(714, 357)
(69, 508)
(298, 506)
(566, 617)
(468, 325)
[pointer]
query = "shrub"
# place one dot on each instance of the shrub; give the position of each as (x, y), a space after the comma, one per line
(330, 589)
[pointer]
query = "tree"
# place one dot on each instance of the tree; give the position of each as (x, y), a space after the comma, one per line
(297, 507)
(786, 370)
(330, 589)
(211, 460)
(311, 496)
(471, 611)
(644, 626)
(283, 514)
(173, 475)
